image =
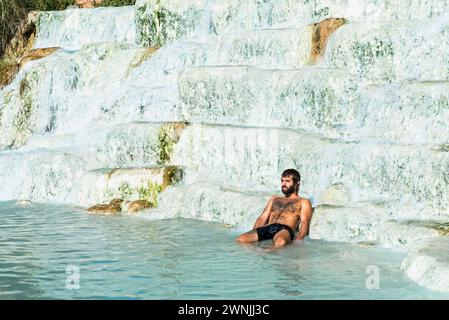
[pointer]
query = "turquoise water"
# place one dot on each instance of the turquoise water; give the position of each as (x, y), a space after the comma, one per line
(42, 248)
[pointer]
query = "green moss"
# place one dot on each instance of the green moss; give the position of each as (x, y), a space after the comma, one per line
(320, 13)
(442, 228)
(442, 148)
(8, 69)
(171, 176)
(165, 142)
(318, 104)
(167, 138)
(150, 193)
(149, 190)
(7, 96)
(21, 122)
(369, 52)
(160, 25)
(125, 190)
(117, 3)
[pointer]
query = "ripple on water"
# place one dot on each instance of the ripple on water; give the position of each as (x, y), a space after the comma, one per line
(132, 258)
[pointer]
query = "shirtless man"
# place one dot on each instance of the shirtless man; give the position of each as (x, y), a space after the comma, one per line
(282, 215)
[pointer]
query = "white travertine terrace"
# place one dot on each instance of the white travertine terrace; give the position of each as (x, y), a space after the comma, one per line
(232, 96)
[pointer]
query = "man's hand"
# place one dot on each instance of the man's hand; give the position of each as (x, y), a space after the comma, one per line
(306, 217)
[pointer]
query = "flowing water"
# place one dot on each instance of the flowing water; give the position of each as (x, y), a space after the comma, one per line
(126, 257)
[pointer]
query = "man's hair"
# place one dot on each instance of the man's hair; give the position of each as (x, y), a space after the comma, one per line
(292, 172)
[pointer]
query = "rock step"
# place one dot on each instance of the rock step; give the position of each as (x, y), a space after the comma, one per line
(283, 48)
(392, 51)
(73, 28)
(427, 263)
(40, 176)
(376, 52)
(389, 224)
(179, 19)
(369, 170)
(129, 184)
(367, 222)
(133, 144)
(259, 154)
(62, 177)
(207, 200)
(328, 100)
(61, 93)
(314, 99)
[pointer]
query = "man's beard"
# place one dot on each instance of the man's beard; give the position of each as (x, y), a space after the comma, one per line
(288, 191)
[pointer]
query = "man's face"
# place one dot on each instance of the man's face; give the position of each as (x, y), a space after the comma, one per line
(287, 185)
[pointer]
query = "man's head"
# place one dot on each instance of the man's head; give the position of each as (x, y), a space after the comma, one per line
(290, 181)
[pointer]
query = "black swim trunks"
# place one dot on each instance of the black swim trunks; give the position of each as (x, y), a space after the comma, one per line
(269, 231)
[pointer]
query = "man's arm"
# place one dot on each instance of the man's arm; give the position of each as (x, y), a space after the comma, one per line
(265, 215)
(306, 217)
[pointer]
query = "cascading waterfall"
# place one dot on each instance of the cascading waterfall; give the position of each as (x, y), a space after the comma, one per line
(230, 93)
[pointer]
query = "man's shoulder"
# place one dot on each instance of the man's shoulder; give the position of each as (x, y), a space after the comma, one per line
(306, 201)
(306, 206)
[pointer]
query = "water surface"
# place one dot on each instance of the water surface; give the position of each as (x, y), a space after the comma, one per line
(43, 246)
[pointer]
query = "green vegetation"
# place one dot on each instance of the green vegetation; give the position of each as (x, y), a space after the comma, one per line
(160, 25)
(172, 175)
(8, 68)
(150, 193)
(166, 142)
(117, 3)
(443, 228)
(13, 12)
(21, 122)
(17, 33)
(369, 52)
(125, 190)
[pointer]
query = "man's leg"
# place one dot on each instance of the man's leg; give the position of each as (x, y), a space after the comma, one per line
(281, 238)
(250, 236)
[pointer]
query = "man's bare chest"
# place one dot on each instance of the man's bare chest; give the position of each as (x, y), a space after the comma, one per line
(281, 206)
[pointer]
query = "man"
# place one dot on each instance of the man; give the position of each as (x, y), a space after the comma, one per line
(282, 215)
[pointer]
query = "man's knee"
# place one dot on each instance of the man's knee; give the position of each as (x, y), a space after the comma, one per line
(247, 237)
(280, 241)
(240, 238)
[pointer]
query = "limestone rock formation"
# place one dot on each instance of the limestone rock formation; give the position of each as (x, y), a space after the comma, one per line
(111, 208)
(321, 32)
(427, 263)
(137, 205)
(336, 195)
(23, 202)
(36, 54)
